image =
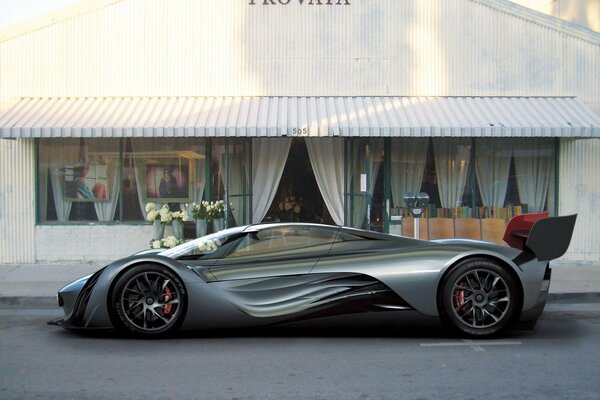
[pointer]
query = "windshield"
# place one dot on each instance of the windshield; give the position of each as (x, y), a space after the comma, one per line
(204, 245)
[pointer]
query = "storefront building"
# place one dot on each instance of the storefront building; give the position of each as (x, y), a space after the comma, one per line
(293, 113)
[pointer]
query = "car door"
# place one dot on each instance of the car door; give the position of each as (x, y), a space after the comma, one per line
(280, 250)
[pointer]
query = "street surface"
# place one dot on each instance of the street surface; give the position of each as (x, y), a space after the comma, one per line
(560, 359)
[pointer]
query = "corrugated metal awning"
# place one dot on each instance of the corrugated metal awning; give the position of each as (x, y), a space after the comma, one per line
(299, 116)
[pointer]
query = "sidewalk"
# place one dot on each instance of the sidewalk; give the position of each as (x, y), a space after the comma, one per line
(37, 284)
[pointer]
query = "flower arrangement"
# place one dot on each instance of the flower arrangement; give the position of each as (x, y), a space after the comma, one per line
(166, 243)
(215, 210)
(165, 214)
(199, 210)
(151, 211)
(290, 204)
(182, 215)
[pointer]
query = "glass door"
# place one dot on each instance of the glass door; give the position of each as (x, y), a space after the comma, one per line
(365, 184)
(228, 173)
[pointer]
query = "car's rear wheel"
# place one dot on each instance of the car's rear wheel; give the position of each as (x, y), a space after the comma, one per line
(479, 298)
(149, 300)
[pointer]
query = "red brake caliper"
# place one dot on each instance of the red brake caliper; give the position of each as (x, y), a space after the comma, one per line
(459, 295)
(167, 299)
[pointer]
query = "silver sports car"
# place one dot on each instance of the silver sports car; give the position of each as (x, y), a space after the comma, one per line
(269, 274)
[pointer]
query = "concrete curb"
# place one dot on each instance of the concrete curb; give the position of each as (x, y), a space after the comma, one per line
(31, 302)
(574, 297)
(23, 302)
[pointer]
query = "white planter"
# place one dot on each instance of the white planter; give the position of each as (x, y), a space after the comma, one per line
(178, 229)
(158, 230)
(218, 224)
(201, 227)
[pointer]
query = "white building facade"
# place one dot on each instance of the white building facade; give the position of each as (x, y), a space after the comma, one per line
(490, 107)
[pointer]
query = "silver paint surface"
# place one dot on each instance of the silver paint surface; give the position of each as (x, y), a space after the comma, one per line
(274, 291)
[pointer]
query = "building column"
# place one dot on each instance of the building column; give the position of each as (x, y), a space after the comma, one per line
(17, 200)
(579, 192)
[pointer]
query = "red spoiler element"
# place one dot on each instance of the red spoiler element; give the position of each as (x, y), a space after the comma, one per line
(517, 230)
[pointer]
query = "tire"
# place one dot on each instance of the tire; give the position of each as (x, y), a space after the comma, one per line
(148, 301)
(479, 298)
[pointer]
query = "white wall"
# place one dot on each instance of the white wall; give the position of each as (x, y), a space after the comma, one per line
(373, 47)
(579, 183)
(89, 243)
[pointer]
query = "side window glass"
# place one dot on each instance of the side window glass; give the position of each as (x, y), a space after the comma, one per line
(348, 237)
(284, 241)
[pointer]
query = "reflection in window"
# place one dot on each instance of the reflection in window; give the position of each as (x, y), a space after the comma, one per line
(112, 179)
(78, 179)
(474, 178)
(288, 240)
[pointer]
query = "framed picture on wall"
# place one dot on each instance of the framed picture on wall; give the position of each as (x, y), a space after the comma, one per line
(87, 181)
(167, 180)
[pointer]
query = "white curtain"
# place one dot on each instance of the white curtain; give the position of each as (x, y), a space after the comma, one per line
(55, 154)
(105, 210)
(157, 146)
(198, 184)
(492, 166)
(327, 160)
(451, 165)
(408, 163)
(534, 163)
(268, 160)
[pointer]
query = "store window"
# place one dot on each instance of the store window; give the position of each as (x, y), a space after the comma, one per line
(79, 179)
(108, 180)
(474, 178)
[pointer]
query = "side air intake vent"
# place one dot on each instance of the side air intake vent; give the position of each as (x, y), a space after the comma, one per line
(83, 298)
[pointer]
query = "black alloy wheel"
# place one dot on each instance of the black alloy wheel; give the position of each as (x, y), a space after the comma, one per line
(479, 298)
(149, 300)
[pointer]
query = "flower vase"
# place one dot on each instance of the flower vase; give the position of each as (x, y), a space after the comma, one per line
(178, 229)
(201, 228)
(158, 230)
(218, 224)
(291, 216)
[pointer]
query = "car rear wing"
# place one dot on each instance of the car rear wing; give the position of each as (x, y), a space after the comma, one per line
(547, 238)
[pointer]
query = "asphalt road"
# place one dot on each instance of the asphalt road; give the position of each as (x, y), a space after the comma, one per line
(560, 359)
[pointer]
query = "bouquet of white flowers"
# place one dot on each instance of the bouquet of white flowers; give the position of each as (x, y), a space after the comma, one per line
(215, 210)
(182, 215)
(151, 211)
(199, 210)
(166, 216)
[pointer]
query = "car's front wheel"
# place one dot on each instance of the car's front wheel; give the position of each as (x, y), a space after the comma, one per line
(148, 300)
(479, 298)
